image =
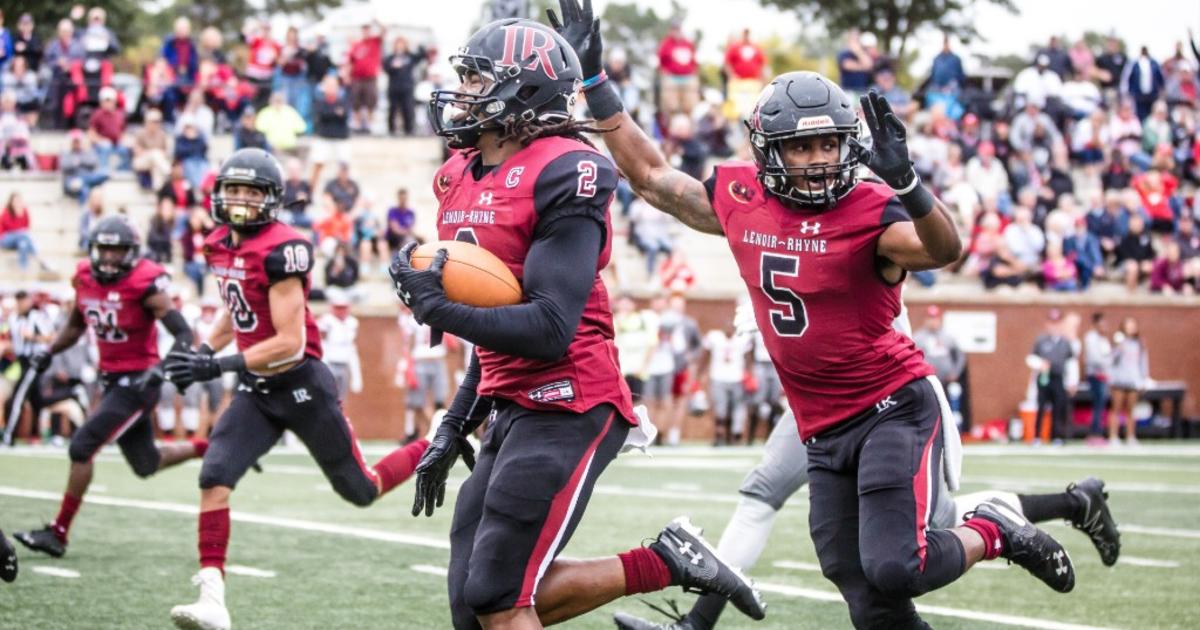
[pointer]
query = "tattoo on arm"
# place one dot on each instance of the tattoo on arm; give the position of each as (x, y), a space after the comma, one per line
(682, 197)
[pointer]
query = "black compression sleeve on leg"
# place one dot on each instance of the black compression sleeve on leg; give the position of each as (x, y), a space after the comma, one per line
(1044, 507)
(706, 611)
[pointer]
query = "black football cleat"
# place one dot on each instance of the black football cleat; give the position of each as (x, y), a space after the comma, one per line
(1029, 547)
(695, 566)
(1095, 520)
(8, 559)
(43, 540)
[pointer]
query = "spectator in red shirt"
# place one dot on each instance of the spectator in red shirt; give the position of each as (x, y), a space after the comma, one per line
(366, 61)
(260, 66)
(677, 67)
(106, 130)
(1155, 189)
(744, 68)
(14, 231)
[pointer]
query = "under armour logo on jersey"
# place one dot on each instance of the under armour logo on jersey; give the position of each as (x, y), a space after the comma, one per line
(686, 549)
(113, 296)
(807, 228)
(885, 404)
(485, 198)
(514, 176)
(239, 262)
(301, 395)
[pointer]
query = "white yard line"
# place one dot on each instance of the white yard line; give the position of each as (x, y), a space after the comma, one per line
(237, 569)
(1012, 483)
(54, 571)
(796, 566)
(357, 532)
(1148, 562)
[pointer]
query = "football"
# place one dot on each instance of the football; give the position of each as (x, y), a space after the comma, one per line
(472, 274)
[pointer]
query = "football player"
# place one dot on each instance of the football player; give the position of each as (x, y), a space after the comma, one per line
(783, 471)
(526, 186)
(262, 268)
(119, 295)
(823, 256)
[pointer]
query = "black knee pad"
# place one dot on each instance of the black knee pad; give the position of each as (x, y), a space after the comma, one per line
(892, 577)
(484, 596)
(885, 618)
(145, 466)
(81, 449)
(213, 474)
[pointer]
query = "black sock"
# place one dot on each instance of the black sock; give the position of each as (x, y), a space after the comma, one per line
(1045, 507)
(706, 611)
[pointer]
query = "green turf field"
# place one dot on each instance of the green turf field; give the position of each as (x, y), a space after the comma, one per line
(337, 566)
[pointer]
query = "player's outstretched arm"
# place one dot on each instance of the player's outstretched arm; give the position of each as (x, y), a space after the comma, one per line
(159, 305)
(930, 240)
(662, 186)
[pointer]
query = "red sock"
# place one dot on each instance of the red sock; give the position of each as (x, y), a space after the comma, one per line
(645, 572)
(201, 446)
(214, 538)
(399, 465)
(993, 542)
(66, 514)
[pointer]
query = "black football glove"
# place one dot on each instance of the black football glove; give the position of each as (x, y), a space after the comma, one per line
(183, 368)
(421, 291)
(40, 361)
(582, 32)
(888, 156)
(434, 468)
(149, 379)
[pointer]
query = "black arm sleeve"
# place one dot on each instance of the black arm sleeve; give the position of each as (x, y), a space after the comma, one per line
(468, 406)
(541, 328)
(177, 326)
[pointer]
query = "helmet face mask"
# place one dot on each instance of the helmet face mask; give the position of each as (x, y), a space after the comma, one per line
(511, 72)
(804, 108)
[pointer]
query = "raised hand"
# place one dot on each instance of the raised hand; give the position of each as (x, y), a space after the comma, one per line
(888, 156)
(582, 31)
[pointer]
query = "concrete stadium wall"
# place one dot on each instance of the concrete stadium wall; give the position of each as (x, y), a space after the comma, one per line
(998, 379)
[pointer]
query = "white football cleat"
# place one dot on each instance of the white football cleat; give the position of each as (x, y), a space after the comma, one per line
(209, 612)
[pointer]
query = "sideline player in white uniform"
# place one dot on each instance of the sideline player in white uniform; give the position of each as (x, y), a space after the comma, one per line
(784, 470)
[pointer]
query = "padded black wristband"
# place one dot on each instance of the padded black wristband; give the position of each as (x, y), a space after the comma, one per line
(604, 100)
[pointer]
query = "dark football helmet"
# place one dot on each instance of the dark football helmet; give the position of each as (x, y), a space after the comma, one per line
(113, 248)
(250, 167)
(526, 72)
(795, 105)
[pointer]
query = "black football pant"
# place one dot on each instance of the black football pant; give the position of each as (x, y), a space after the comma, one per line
(872, 492)
(123, 415)
(1053, 397)
(401, 102)
(521, 504)
(303, 400)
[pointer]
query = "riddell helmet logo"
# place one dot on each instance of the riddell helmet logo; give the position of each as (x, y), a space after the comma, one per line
(533, 42)
(813, 122)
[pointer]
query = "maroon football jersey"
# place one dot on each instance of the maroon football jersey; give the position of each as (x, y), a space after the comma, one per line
(245, 273)
(125, 332)
(500, 212)
(823, 309)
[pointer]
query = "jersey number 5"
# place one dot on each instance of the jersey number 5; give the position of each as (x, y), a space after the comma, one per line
(792, 320)
(240, 312)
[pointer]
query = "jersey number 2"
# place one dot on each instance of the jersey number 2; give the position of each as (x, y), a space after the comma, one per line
(786, 324)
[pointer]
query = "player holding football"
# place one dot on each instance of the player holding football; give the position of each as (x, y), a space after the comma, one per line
(119, 295)
(527, 187)
(262, 269)
(823, 256)
(783, 470)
